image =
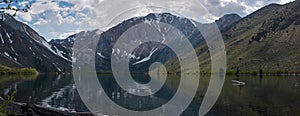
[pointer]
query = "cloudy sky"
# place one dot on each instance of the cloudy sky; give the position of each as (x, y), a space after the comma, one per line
(61, 18)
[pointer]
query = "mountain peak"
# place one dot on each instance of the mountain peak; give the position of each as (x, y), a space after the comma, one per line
(231, 15)
(228, 20)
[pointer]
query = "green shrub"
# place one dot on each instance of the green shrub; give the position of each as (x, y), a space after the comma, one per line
(231, 72)
(28, 71)
(4, 70)
(3, 107)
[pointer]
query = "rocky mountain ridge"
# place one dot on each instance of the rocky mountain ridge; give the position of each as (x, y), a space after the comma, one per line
(21, 46)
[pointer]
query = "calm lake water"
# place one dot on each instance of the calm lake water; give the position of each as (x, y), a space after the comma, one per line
(259, 96)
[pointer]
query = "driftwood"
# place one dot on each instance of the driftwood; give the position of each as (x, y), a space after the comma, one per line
(25, 109)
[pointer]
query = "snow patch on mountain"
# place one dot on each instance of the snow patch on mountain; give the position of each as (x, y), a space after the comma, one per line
(146, 58)
(2, 17)
(7, 34)
(132, 56)
(11, 41)
(48, 47)
(148, 21)
(73, 59)
(7, 55)
(99, 32)
(102, 56)
(158, 18)
(118, 51)
(60, 53)
(12, 49)
(113, 51)
(56, 52)
(2, 40)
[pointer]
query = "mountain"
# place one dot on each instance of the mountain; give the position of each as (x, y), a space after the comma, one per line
(227, 20)
(267, 39)
(145, 54)
(64, 46)
(270, 40)
(21, 46)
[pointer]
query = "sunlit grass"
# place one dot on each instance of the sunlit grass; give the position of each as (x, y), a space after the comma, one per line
(4, 70)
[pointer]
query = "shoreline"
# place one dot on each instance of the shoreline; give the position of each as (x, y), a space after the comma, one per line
(34, 109)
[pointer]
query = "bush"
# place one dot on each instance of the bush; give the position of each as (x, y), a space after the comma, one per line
(28, 71)
(231, 72)
(3, 107)
(23, 71)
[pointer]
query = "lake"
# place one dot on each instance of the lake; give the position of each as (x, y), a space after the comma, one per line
(259, 95)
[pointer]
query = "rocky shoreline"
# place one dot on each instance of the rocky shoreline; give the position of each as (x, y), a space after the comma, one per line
(25, 109)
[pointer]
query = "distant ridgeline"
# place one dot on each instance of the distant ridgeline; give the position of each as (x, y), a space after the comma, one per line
(266, 41)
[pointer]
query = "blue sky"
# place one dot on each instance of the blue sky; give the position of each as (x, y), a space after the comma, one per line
(57, 19)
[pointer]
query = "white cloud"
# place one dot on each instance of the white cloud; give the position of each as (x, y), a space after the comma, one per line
(42, 6)
(40, 22)
(69, 19)
(65, 35)
(25, 16)
(285, 1)
(47, 16)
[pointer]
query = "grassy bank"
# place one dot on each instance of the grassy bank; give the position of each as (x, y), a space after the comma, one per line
(4, 70)
(264, 72)
(232, 72)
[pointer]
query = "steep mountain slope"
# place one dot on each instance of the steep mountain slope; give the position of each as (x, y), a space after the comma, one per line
(146, 53)
(21, 46)
(65, 46)
(271, 44)
(227, 20)
(267, 39)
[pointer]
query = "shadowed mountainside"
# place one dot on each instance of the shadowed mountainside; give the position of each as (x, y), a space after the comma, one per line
(267, 39)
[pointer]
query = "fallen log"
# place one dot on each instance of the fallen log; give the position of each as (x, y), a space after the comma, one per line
(26, 109)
